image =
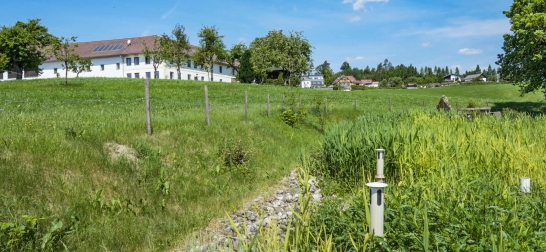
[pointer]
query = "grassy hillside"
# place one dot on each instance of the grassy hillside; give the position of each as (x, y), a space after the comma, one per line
(54, 164)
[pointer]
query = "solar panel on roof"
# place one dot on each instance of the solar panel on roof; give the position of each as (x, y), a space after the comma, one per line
(110, 47)
(102, 48)
(120, 46)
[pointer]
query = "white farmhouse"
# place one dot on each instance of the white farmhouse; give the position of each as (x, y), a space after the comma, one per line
(312, 81)
(123, 58)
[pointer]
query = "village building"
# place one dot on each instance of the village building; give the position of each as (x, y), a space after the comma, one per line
(123, 58)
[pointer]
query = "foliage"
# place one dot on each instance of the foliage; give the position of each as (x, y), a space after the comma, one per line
(235, 157)
(472, 104)
(211, 50)
(396, 81)
(81, 65)
(63, 50)
(28, 235)
(327, 72)
(291, 53)
(246, 72)
(524, 58)
(4, 60)
(24, 46)
(235, 55)
(156, 53)
(176, 48)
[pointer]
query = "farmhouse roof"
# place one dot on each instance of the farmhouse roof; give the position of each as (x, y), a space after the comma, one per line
(473, 76)
(131, 46)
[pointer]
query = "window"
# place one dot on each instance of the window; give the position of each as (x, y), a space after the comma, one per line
(137, 75)
(194, 65)
(171, 75)
(148, 75)
(128, 62)
(195, 78)
(156, 74)
(137, 61)
(220, 69)
(220, 80)
(147, 60)
(102, 67)
(55, 70)
(117, 66)
(189, 76)
(129, 75)
(203, 78)
(189, 63)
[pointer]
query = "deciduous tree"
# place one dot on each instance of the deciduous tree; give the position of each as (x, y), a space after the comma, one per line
(211, 50)
(234, 56)
(245, 74)
(524, 60)
(176, 48)
(24, 46)
(81, 65)
(63, 50)
(155, 53)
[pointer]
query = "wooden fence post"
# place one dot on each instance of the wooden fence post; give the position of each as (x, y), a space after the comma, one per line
(355, 104)
(147, 101)
(283, 102)
(424, 106)
(207, 110)
(268, 107)
(299, 107)
(246, 104)
(457, 107)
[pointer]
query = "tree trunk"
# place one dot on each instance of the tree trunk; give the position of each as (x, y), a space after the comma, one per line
(211, 70)
(66, 74)
(19, 72)
(179, 74)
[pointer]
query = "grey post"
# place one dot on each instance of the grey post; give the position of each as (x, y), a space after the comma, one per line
(147, 101)
(207, 110)
(246, 104)
(268, 106)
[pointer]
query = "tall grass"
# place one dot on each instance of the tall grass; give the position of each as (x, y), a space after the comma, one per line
(453, 182)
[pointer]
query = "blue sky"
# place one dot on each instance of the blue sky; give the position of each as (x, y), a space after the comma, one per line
(442, 33)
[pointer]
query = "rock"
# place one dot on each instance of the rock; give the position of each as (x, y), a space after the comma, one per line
(443, 104)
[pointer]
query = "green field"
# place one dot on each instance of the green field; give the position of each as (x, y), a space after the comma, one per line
(54, 165)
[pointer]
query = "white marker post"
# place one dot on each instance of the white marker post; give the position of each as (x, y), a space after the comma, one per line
(377, 196)
(377, 207)
(525, 184)
(380, 177)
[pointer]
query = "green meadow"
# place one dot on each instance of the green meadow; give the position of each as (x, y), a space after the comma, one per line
(61, 189)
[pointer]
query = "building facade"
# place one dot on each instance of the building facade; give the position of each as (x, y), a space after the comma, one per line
(312, 81)
(123, 58)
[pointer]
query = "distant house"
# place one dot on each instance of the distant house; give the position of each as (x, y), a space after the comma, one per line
(452, 77)
(471, 77)
(373, 84)
(365, 82)
(411, 86)
(344, 82)
(312, 81)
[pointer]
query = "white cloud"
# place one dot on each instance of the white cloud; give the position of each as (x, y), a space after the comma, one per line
(426, 44)
(168, 13)
(470, 51)
(467, 28)
(355, 58)
(360, 4)
(354, 19)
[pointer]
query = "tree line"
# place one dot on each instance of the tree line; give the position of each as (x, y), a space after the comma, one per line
(385, 72)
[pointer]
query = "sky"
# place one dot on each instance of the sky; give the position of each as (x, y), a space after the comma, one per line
(460, 33)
